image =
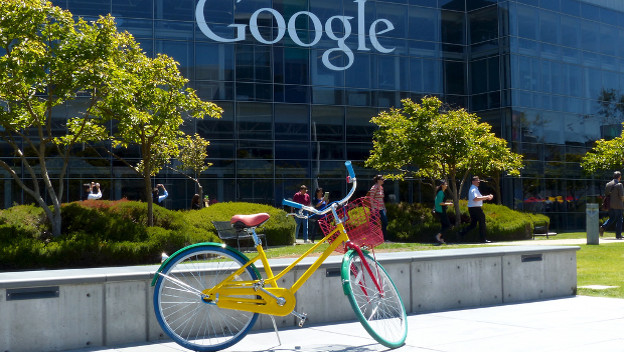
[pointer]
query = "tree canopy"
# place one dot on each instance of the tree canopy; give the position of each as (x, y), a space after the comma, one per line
(149, 103)
(433, 142)
(48, 59)
(605, 155)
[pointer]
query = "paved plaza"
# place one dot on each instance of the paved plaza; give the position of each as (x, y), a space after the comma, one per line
(575, 324)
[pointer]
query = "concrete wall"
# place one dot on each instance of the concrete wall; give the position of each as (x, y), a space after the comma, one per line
(65, 309)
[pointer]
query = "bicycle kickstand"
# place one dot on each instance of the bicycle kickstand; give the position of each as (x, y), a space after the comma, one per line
(302, 317)
(279, 341)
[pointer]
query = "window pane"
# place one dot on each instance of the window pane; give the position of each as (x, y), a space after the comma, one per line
(328, 123)
(292, 150)
(292, 122)
(454, 77)
(483, 25)
(254, 150)
(214, 61)
(453, 27)
(222, 128)
(180, 51)
(254, 121)
(89, 7)
(359, 75)
(423, 24)
(181, 10)
(359, 127)
(138, 8)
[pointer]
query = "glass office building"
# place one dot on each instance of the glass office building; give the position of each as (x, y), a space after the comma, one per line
(299, 81)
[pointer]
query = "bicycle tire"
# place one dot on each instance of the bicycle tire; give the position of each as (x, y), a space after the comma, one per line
(381, 313)
(180, 311)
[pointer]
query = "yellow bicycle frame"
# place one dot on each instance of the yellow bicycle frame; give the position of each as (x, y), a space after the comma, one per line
(229, 293)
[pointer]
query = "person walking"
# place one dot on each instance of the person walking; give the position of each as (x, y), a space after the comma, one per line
(475, 210)
(376, 195)
(440, 212)
(302, 197)
(615, 190)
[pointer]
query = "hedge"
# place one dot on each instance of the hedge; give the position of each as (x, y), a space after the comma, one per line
(111, 233)
(279, 229)
(416, 223)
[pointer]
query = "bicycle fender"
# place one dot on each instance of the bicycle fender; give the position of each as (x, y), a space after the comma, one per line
(215, 244)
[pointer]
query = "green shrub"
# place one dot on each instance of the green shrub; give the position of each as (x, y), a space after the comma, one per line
(24, 221)
(416, 223)
(279, 229)
(110, 233)
(411, 223)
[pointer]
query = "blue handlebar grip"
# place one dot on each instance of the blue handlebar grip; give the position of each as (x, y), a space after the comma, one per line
(350, 169)
(291, 203)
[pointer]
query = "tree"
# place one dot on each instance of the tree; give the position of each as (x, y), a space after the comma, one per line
(493, 159)
(192, 157)
(148, 103)
(49, 59)
(424, 141)
(605, 155)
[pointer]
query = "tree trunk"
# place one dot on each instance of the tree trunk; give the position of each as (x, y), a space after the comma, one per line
(150, 201)
(455, 195)
(57, 222)
(496, 184)
(200, 191)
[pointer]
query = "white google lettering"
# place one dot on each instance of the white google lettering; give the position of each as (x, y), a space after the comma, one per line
(282, 28)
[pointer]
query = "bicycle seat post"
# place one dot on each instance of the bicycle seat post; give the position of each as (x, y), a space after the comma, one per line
(254, 235)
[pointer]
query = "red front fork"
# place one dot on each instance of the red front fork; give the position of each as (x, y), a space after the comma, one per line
(350, 245)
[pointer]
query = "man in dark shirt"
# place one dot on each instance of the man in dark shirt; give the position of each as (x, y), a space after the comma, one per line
(615, 190)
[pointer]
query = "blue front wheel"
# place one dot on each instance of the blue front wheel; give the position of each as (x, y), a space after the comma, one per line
(190, 318)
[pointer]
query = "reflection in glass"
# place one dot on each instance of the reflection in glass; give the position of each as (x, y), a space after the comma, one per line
(292, 122)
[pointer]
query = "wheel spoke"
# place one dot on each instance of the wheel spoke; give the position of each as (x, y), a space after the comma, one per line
(375, 300)
(189, 320)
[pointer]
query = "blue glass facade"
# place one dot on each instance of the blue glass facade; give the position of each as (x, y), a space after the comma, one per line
(299, 81)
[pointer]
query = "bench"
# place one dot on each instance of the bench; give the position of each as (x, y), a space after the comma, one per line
(226, 232)
(542, 230)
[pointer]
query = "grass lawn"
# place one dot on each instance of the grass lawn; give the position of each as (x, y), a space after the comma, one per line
(596, 264)
(599, 265)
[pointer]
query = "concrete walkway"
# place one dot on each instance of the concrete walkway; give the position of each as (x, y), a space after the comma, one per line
(575, 324)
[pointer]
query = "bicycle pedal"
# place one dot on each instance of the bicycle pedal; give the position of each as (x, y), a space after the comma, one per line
(302, 317)
(302, 320)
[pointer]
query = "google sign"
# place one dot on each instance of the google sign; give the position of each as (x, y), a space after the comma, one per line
(376, 28)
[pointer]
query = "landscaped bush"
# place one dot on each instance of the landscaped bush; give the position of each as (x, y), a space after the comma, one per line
(25, 221)
(94, 233)
(279, 229)
(110, 233)
(416, 223)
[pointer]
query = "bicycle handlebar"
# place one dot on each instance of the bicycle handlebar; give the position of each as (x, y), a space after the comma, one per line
(350, 179)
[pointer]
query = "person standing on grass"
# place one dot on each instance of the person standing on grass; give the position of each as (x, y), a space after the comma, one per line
(302, 197)
(376, 195)
(615, 190)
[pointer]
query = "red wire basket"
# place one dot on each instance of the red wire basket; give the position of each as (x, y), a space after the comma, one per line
(361, 222)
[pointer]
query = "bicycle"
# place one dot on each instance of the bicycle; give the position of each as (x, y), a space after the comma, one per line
(207, 296)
